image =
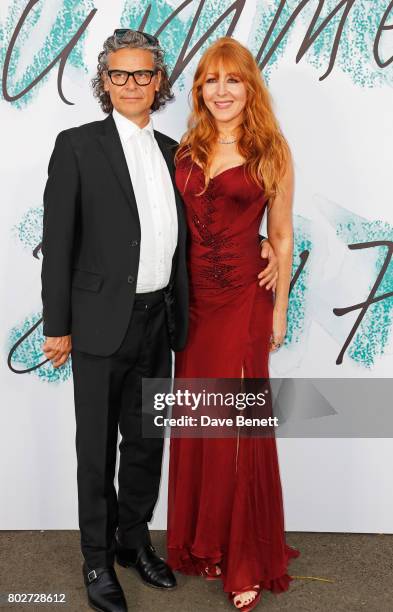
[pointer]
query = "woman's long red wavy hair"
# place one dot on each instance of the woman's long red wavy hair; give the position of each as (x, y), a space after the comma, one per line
(260, 140)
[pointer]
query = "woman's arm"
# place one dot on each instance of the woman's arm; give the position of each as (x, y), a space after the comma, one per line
(280, 232)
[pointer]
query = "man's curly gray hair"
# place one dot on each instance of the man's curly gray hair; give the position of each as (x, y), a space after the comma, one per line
(131, 40)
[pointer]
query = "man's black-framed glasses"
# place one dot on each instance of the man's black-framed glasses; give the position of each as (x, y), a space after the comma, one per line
(121, 32)
(141, 77)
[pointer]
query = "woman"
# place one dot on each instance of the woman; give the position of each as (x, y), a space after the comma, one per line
(225, 515)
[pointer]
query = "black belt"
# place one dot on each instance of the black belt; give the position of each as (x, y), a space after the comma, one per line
(144, 301)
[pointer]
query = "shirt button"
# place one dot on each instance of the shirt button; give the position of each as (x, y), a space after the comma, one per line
(130, 279)
(134, 243)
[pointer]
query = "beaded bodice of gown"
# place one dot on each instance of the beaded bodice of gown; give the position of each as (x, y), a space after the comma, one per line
(223, 224)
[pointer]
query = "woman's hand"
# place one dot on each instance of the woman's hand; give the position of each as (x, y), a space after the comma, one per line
(279, 328)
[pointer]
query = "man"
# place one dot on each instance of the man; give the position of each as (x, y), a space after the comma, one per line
(115, 296)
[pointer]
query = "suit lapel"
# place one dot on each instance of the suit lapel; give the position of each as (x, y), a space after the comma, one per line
(113, 149)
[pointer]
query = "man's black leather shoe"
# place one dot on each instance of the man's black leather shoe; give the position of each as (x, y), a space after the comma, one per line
(104, 592)
(151, 568)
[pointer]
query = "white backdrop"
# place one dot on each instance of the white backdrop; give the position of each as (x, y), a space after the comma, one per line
(340, 130)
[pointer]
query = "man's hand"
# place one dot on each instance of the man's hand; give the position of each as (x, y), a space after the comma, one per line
(57, 350)
(269, 275)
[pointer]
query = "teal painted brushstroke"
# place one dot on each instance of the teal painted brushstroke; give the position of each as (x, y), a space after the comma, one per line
(355, 52)
(375, 330)
(264, 15)
(29, 229)
(29, 353)
(299, 294)
(174, 35)
(67, 19)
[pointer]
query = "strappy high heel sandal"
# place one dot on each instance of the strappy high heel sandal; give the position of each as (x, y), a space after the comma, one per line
(211, 572)
(247, 607)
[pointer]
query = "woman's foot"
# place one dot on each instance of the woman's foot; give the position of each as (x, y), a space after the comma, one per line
(211, 572)
(246, 600)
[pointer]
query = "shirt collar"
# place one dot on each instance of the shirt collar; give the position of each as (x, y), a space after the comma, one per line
(128, 128)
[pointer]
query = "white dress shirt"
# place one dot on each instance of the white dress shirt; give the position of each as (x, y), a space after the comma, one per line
(155, 199)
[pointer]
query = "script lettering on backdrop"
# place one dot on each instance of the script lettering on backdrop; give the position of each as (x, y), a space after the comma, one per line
(183, 60)
(372, 297)
(263, 56)
(61, 58)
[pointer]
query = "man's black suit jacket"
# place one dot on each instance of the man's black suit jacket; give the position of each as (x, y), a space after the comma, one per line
(91, 242)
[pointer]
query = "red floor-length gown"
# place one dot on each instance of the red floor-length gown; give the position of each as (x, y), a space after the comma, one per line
(225, 501)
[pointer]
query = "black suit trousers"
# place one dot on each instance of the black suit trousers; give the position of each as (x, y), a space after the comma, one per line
(108, 397)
